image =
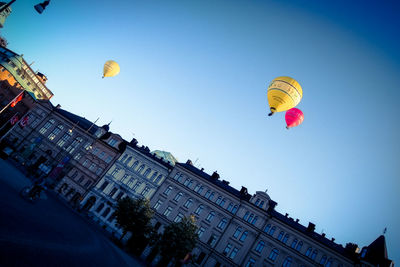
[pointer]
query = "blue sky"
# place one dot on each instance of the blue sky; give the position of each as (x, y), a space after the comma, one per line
(193, 82)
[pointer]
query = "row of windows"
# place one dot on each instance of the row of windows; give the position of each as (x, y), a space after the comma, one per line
(134, 188)
(128, 179)
(81, 179)
(92, 166)
(199, 188)
(155, 177)
(250, 218)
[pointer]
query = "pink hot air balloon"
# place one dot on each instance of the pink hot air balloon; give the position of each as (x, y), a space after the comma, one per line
(294, 117)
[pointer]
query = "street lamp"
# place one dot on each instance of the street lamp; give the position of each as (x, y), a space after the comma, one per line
(39, 7)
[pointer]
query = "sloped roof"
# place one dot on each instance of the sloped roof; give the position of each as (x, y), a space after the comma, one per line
(80, 121)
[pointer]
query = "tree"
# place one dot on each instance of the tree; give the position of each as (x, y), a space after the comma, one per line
(177, 241)
(134, 216)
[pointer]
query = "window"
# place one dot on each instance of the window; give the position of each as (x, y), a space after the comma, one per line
(251, 263)
(207, 195)
(287, 262)
(294, 243)
(212, 240)
(119, 196)
(95, 150)
(112, 142)
(261, 204)
(73, 176)
(266, 229)
(230, 206)
(222, 224)
(178, 217)
(112, 216)
(178, 196)
(274, 253)
(108, 159)
(257, 202)
(233, 253)
(99, 171)
(123, 179)
(246, 216)
(130, 182)
(299, 245)
(86, 163)
(157, 205)
(201, 258)
(254, 220)
(323, 260)
(146, 173)
(210, 216)
(188, 203)
(157, 181)
(308, 252)
(167, 211)
(88, 183)
(199, 209)
(250, 217)
(112, 192)
(103, 186)
(235, 209)
(244, 235)
(314, 254)
(272, 231)
(81, 179)
(100, 207)
(135, 164)
(88, 145)
(145, 191)
(140, 168)
(177, 176)
(92, 167)
(153, 176)
(227, 249)
(200, 232)
(106, 212)
(167, 190)
(71, 148)
(128, 160)
(211, 196)
(222, 202)
(64, 139)
(115, 172)
(136, 186)
(329, 263)
(285, 238)
(124, 157)
(218, 201)
(237, 232)
(187, 181)
(46, 126)
(260, 246)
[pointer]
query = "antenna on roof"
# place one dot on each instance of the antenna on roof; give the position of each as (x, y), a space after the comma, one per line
(384, 230)
(92, 125)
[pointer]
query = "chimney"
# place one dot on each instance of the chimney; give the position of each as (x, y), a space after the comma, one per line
(41, 77)
(225, 182)
(243, 191)
(286, 214)
(215, 175)
(323, 234)
(147, 149)
(297, 220)
(58, 106)
(272, 205)
(202, 169)
(333, 239)
(189, 162)
(311, 227)
(133, 142)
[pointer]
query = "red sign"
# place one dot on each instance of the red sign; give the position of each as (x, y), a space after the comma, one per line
(24, 121)
(14, 119)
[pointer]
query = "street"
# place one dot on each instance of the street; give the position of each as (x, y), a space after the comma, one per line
(47, 233)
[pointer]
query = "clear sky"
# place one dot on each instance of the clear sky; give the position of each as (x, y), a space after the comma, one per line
(193, 82)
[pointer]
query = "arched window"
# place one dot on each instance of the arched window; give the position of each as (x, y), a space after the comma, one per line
(210, 216)
(246, 216)
(218, 200)
(260, 246)
(261, 204)
(254, 220)
(207, 195)
(234, 210)
(294, 243)
(178, 196)
(266, 229)
(135, 164)
(199, 209)
(323, 260)
(211, 196)
(100, 207)
(187, 181)
(140, 168)
(287, 262)
(158, 179)
(329, 263)
(280, 235)
(273, 255)
(222, 224)
(314, 254)
(308, 252)
(147, 172)
(299, 245)
(257, 202)
(128, 160)
(153, 176)
(230, 206)
(105, 213)
(272, 231)
(124, 157)
(244, 235)
(285, 238)
(237, 232)
(222, 202)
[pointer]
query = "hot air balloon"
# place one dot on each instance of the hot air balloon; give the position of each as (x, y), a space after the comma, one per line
(283, 94)
(293, 117)
(111, 68)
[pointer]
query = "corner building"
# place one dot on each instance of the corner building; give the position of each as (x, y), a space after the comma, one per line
(239, 229)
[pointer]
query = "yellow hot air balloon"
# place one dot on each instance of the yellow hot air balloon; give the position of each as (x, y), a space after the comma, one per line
(283, 94)
(111, 68)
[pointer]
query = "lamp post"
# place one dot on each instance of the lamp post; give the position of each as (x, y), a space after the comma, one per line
(39, 7)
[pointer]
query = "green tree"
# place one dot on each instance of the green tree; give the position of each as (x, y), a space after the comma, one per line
(177, 240)
(134, 216)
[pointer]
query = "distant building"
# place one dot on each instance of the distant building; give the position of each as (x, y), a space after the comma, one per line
(4, 14)
(238, 229)
(136, 174)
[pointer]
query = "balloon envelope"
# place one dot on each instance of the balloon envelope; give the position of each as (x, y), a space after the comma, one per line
(293, 117)
(111, 68)
(283, 94)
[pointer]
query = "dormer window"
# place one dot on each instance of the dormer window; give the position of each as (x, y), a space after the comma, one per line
(112, 142)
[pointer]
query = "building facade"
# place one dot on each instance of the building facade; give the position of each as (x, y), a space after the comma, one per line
(239, 229)
(136, 174)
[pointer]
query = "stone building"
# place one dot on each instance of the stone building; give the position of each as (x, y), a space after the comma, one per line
(136, 174)
(239, 229)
